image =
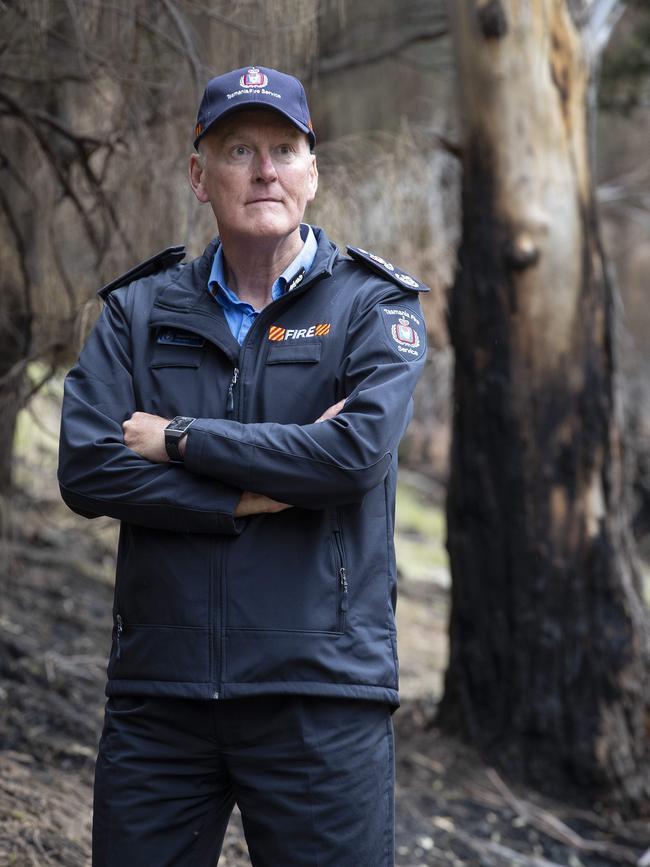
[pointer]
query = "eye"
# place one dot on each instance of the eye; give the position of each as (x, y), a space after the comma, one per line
(239, 151)
(285, 150)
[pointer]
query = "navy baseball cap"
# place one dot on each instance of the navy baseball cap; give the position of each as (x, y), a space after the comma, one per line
(254, 86)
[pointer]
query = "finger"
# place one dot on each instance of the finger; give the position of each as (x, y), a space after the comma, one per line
(331, 411)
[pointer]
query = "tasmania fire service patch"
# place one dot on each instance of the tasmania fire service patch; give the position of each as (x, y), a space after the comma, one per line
(405, 331)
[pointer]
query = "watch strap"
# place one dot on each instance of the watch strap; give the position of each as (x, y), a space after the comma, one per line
(174, 433)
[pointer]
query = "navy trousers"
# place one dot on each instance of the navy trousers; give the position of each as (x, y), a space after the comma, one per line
(313, 779)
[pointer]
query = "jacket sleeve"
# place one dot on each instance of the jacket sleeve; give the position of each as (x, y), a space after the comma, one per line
(99, 475)
(336, 461)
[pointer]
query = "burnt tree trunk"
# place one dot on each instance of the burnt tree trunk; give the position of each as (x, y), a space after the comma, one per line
(16, 320)
(14, 332)
(549, 639)
(19, 243)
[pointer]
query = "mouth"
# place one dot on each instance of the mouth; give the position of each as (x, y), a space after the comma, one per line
(263, 199)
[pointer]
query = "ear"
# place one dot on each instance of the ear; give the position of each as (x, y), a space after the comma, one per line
(197, 178)
(313, 178)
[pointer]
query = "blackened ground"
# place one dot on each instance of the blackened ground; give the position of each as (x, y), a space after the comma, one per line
(54, 634)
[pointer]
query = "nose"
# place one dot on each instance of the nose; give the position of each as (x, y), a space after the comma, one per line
(264, 167)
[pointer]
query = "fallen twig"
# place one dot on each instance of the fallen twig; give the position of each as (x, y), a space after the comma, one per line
(494, 854)
(553, 827)
(81, 666)
(426, 762)
(644, 860)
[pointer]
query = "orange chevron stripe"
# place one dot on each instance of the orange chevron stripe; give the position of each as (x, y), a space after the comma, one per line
(276, 333)
(322, 328)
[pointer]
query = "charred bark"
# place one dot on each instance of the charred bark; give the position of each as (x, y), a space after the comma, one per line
(16, 323)
(549, 649)
(11, 402)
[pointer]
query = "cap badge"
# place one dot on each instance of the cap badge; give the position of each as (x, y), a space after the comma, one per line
(253, 78)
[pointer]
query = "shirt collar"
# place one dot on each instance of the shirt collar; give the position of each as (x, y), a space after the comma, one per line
(218, 285)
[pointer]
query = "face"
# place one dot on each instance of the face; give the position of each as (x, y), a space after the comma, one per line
(256, 171)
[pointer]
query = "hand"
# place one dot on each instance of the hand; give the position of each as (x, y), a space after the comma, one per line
(331, 411)
(145, 435)
(258, 504)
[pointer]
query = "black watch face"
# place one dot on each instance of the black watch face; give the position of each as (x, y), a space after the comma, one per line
(180, 423)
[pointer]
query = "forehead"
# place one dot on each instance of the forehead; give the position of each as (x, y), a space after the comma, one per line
(254, 120)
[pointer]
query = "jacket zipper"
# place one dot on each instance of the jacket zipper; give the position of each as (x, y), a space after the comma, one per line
(230, 413)
(277, 305)
(217, 617)
(230, 405)
(267, 314)
(118, 634)
(343, 581)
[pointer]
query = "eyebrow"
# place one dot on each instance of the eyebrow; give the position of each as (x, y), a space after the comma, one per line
(289, 132)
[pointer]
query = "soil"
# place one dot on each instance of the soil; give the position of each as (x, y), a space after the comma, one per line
(54, 636)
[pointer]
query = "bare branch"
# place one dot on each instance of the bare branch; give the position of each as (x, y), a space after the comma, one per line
(17, 370)
(43, 79)
(248, 29)
(600, 19)
(65, 280)
(398, 42)
(296, 23)
(164, 38)
(83, 146)
(55, 34)
(191, 53)
(80, 42)
(20, 245)
(5, 163)
(88, 143)
(36, 386)
(24, 115)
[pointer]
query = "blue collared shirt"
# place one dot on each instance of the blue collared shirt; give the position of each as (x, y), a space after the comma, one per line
(239, 314)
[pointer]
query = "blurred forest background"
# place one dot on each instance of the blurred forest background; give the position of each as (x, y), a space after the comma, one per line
(510, 136)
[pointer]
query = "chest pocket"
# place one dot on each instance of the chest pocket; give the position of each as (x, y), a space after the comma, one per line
(177, 349)
(292, 390)
(294, 353)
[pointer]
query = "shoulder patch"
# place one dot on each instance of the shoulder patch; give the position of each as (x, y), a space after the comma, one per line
(405, 331)
(387, 269)
(160, 261)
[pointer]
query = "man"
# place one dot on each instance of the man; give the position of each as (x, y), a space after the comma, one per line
(240, 415)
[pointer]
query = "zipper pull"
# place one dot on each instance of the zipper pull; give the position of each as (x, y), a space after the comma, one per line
(344, 587)
(231, 397)
(119, 631)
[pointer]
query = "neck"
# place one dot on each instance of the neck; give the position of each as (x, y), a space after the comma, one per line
(252, 269)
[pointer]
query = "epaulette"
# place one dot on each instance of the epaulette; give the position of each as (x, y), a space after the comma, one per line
(161, 260)
(387, 269)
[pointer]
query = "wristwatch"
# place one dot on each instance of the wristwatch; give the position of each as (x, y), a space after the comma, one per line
(174, 433)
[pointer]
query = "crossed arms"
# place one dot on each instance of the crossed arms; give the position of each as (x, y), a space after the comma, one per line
(332, 461)
(144, 434)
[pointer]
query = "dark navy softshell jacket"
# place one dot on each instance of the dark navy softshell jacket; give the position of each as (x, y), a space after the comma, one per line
(207, 605)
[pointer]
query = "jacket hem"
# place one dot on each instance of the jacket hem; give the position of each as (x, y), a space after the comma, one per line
(330, 690)
(162, 689)
(207, 691)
